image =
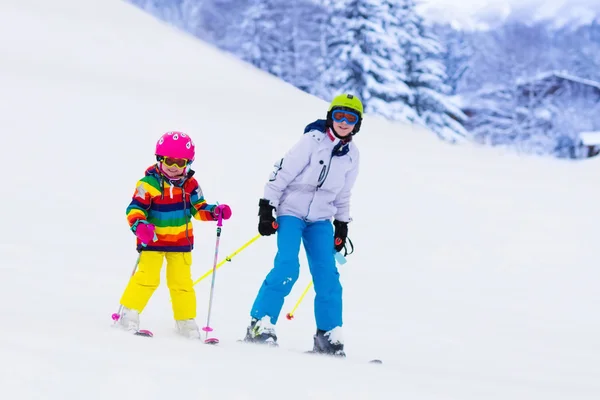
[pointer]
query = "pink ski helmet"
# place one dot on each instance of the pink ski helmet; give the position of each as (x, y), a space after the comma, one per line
(177, 145)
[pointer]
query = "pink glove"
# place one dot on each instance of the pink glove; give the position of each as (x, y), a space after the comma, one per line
(222, 209)
(145, 232)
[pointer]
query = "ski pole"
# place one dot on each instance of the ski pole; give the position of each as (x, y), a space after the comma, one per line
(207, 328)
(228, 258)
(116, 316)
(290, 315)
(340, 259)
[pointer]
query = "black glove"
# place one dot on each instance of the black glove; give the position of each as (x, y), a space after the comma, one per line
(266, 222)
(340, 235)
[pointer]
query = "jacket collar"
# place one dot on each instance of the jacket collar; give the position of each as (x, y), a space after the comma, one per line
(340, 147)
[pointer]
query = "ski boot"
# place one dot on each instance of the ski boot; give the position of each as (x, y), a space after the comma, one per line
(329, 342)
(188, 328)
(129, 320)
(261, 331)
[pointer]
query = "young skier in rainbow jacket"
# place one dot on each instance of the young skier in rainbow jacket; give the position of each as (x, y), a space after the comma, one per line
(159, 215)
(310, 186)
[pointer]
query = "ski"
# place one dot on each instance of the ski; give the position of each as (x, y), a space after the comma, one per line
(214, 341)
(148, 333)
(312, 352)
(265, 344)
(316, 353)
(144, 333)
(140, 332)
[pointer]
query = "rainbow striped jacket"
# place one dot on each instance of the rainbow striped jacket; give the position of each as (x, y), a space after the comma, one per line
(170, 207)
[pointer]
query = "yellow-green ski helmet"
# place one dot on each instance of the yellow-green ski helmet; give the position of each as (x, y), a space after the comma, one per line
(348, 102)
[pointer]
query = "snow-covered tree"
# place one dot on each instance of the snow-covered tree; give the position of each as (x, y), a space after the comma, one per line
(309, 32)
(383, 52)
(426, 77)
(169, 11)
(457, 55)
(542, 115)
(363, 56)
(264, 37)
(581, 48)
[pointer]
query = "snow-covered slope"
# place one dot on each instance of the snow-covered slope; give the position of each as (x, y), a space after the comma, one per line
(475, 274)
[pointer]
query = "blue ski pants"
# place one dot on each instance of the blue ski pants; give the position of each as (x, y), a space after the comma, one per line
(318, 244)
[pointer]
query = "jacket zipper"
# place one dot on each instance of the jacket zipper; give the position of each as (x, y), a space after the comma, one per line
(186, 217)
(162, 196)
(326, 170)
(328, 166)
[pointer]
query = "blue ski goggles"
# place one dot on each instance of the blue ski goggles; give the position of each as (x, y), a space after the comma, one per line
(350, 117)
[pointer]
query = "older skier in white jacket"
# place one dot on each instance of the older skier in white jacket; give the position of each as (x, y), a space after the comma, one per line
(310, 186)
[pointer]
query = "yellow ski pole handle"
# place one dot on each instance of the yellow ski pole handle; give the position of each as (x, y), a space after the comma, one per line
(290, 315)
(228, 258)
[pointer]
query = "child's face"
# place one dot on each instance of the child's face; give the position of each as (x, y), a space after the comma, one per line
(173, 167)
(342, 128)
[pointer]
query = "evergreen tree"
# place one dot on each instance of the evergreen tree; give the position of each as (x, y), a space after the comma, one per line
(265, 39)
(457, 55)
(309, 30)
(426, 76)
(169, 11)
(363, 57)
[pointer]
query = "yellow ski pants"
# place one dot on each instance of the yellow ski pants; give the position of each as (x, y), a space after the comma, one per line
(147, 278)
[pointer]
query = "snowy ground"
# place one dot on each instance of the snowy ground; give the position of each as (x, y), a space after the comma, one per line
(475, 274)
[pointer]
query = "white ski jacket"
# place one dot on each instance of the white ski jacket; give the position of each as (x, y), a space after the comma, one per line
(314, 180)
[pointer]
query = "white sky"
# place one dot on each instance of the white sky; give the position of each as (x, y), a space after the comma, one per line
(465, 11)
